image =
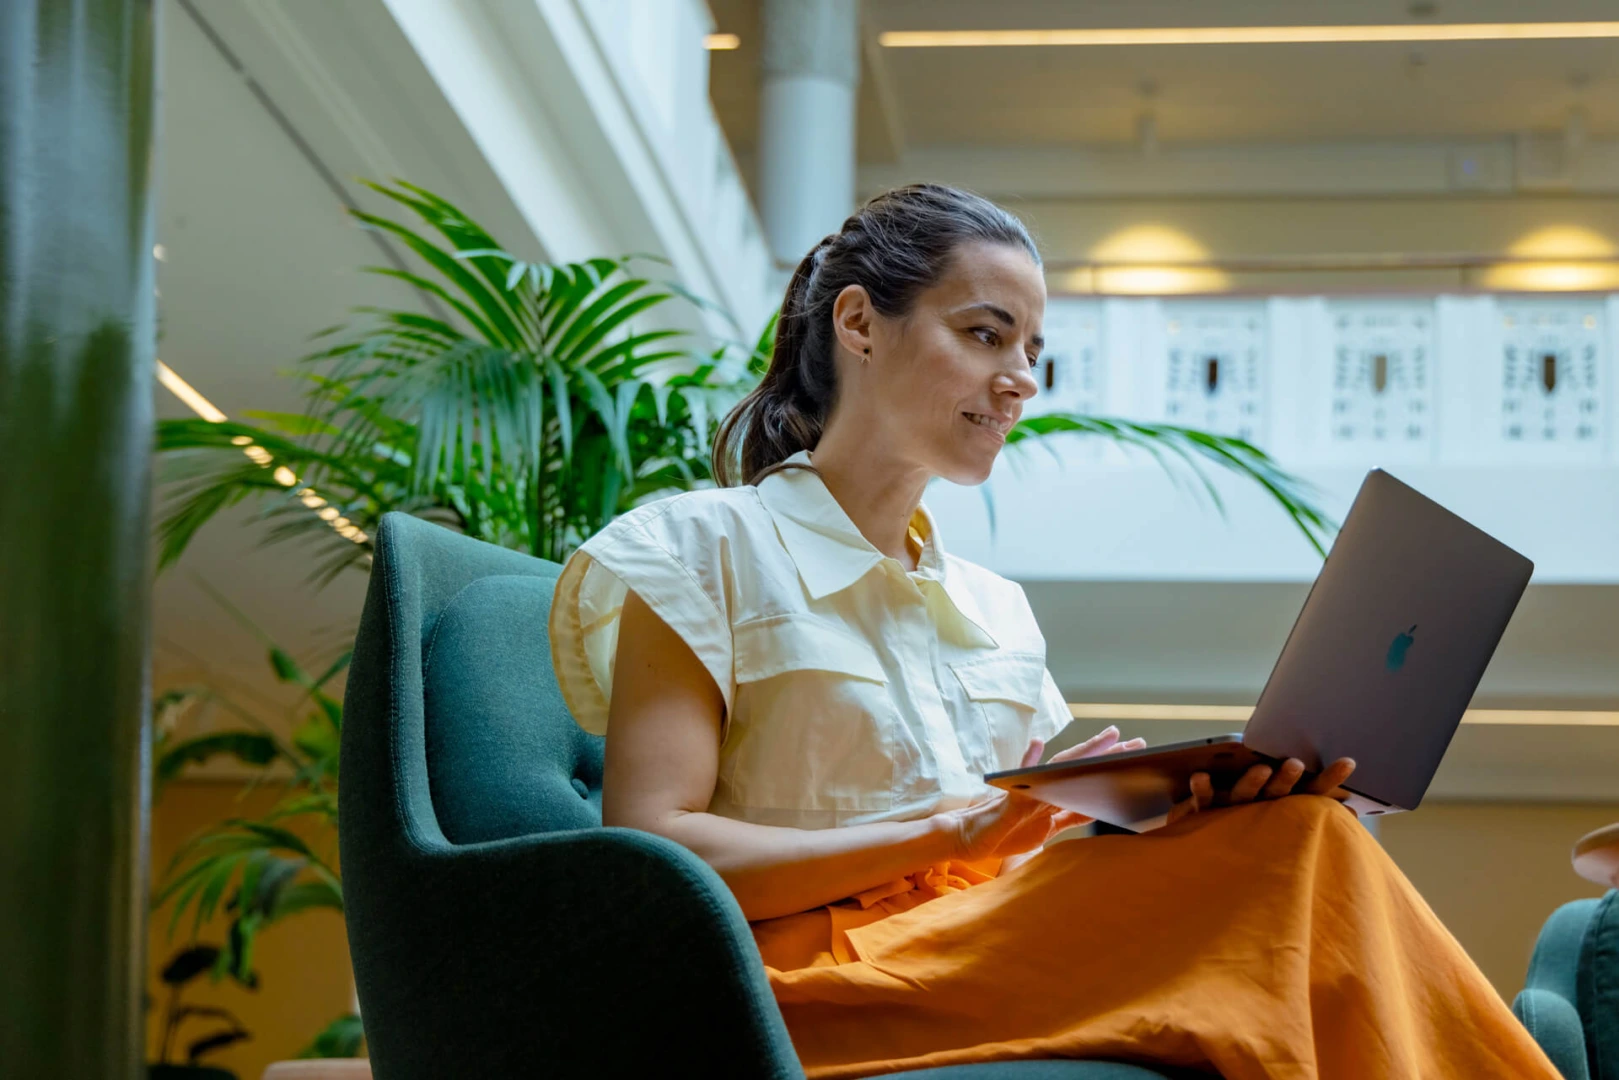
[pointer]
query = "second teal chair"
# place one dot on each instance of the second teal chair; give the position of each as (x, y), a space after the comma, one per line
(1570, 1000)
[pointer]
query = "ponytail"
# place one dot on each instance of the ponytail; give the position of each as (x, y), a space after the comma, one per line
(895, 246)
(786, 412)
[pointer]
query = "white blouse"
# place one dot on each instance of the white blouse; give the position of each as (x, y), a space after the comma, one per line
(855, 690)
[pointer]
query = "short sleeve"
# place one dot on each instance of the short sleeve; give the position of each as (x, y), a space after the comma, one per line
(1053, 713)
(673, 563)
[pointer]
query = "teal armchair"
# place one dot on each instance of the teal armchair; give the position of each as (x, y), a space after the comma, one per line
(496, 928)
(1570, 1000)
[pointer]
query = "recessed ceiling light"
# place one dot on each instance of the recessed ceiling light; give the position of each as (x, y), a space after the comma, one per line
(1249, 35)
(258, 454)
(184, 391)
(722, 42)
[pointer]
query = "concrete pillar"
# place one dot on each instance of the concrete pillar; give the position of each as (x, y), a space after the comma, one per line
(77, 81)
(810, 72)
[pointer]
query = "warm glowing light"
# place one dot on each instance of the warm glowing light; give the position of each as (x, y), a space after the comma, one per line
(1238, 714)
(183, 390)
(1249, 35)
(259, 455)
(722, 42)
(159, 253)
(1143, 260)
(1559, 254)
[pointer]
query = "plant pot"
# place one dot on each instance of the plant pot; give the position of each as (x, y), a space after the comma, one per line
(188, 1072)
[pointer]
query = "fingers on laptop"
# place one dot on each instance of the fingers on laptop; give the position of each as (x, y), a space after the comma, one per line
(1332, 776)
(1250, 784)
(1202, 793)
(1285, 779)
(1031, 756)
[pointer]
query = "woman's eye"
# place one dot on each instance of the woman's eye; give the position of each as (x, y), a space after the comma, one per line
(987, 335)
(1034, 361)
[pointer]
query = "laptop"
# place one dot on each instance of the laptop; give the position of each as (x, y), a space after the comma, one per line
(1382, 661)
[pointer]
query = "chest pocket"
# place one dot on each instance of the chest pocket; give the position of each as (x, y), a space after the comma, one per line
(1003, 694)
(814, 726)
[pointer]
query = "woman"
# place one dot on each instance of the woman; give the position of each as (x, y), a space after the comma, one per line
(804, 689)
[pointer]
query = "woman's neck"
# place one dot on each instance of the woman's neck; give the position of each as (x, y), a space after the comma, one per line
(879, 493)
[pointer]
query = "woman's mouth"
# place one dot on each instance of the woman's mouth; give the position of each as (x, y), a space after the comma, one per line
(990, 425)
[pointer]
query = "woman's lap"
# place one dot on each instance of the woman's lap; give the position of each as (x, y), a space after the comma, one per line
(1251, 939)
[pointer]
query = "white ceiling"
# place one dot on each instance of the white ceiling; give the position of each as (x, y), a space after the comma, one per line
(1069, 96)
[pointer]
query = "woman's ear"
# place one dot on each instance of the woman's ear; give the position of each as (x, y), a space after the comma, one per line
(852, 314)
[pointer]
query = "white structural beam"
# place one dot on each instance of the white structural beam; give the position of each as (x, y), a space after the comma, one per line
(1459, 166)
(810, 71)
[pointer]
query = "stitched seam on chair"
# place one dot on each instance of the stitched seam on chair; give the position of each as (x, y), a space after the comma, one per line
(392, 592)
(438, 624)
(1601, 960)
(390, 620)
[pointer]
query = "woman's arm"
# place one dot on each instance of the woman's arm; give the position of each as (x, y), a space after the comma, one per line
(662, 760)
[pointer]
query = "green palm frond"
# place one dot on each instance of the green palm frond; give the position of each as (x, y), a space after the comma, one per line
(1190, 449)
(534, 411)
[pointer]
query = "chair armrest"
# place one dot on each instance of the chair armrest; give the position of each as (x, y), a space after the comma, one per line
(1555, 1024)
(605, 952)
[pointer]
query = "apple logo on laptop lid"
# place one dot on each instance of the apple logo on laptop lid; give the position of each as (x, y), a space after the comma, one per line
(1398, 647)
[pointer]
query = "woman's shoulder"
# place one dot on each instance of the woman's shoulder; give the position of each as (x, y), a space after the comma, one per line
(691, 520)
(1001, 600)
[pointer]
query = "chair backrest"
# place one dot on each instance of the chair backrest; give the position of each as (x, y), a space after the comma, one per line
(504, 757)
(454, 730)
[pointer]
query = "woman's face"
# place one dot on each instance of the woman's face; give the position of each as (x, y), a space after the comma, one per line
(946, 382)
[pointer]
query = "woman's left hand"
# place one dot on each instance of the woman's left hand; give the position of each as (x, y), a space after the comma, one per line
(1047, 820)
(1264, 782)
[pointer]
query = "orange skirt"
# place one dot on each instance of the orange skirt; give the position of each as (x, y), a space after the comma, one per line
(1274, 940)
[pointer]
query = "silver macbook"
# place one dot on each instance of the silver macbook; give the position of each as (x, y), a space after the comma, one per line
(1385, 655)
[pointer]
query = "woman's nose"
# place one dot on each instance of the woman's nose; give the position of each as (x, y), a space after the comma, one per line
(1020, 382)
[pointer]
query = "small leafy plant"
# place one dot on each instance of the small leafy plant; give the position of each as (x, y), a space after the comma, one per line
(184, 967)
(257, 871)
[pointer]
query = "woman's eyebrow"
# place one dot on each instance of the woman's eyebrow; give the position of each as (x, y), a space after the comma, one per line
(1003, 316)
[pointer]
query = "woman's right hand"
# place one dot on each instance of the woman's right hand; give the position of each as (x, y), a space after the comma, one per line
(1263, 782)
(1010, 822)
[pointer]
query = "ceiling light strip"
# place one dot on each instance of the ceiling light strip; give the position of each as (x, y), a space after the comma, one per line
(257, 454)
(1238, 714)
(1248, 35)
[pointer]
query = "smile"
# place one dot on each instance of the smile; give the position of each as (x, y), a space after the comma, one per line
(999, 427)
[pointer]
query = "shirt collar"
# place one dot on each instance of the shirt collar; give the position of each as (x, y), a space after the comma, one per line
(830, 552)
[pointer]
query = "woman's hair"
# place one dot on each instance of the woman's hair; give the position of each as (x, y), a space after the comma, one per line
(895, 246)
